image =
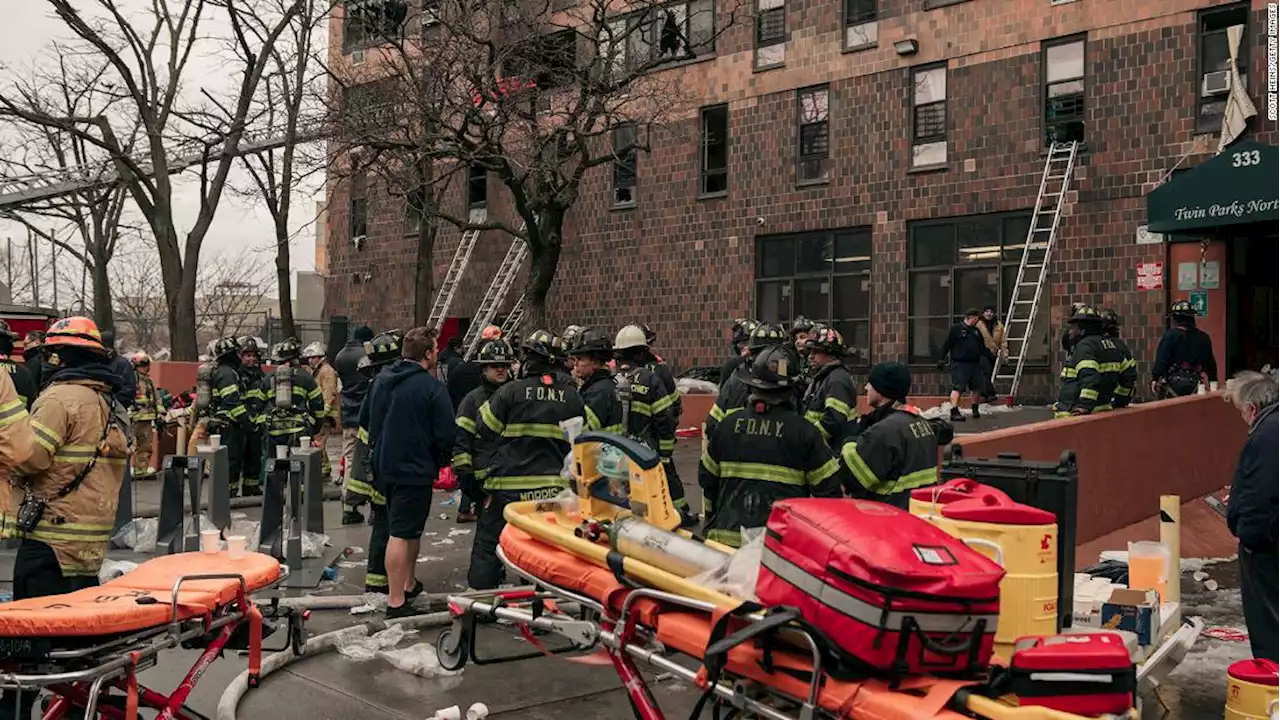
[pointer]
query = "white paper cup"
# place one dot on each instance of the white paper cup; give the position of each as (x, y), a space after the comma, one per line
(1213, 386)
(210, 541)
(449, 713)
(478, 711)
(304, 441)
(282, 452)
(237, 546)
(215, 441)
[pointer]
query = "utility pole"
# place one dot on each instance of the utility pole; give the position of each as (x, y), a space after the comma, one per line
(8, 263)
(53, 268)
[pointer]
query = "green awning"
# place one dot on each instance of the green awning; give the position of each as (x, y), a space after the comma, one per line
(1237, 187)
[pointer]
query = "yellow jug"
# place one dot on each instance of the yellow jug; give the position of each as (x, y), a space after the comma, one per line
(1251, 690)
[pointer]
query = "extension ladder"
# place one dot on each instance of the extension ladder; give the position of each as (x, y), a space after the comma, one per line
(1024, 301)
(457, 268)
(514, 318)
(493, 297)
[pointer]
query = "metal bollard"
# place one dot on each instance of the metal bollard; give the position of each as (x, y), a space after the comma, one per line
(182, 474)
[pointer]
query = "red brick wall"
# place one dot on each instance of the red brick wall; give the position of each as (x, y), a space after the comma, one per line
(685, 265)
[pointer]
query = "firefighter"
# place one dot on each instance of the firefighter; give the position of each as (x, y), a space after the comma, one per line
(144, 415)
(763, 452)
(33, 357)
(1067, 341)
(16, 439)
(591, 356)
(741, 330)
(327, 378)
(62, 503)
(733, 392)
(227, 414)
(470, 457)
(1184, 358)
(23, 379)
(255, 397)
(1091, 373)
(831, 400)
(646, 406)
(1128, 372)
(382, 351)
(300, 416)
(568, 339)
(523, 422)
(892, 449)
(659, 367)
(801, 328)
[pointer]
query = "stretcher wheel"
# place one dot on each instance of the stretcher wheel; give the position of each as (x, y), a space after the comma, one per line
(451, 647)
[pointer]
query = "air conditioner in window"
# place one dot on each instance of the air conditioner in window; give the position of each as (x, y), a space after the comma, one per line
(1216, 83)
(358, 241)
(357, 57)
(623, 196)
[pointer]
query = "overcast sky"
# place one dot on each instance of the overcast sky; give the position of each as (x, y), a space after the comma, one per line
(241, 226)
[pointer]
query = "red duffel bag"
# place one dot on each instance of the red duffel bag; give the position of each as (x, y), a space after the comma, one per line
(890, 590)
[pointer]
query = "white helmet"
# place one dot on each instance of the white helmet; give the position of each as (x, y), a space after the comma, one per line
(630, 336)
(314, 350)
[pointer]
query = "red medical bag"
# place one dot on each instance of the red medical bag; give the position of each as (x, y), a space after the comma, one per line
(1085, 674)
(892, 591)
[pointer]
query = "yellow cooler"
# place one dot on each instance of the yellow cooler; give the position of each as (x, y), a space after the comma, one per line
(926, 501)
(1251, 690)
(1025, 540)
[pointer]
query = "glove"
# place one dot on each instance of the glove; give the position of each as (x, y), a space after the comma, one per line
(469, 487)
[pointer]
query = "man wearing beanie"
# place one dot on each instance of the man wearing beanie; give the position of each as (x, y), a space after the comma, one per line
(892, 450)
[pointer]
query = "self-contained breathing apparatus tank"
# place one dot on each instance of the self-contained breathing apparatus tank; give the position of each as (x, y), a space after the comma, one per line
(204, 387)
(282, 386)
(623, 385)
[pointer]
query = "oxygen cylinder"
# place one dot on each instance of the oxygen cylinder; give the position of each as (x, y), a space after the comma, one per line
(204, 387)
(282, 383)
(623, 384)
(674, 553)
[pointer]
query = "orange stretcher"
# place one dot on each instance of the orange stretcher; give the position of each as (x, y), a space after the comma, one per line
(638, 623)
(86, 648)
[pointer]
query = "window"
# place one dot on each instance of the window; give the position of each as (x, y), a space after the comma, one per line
(477, 187)
(368, 110)
(1064, 92)
(1215, 63)
(969, 262)
(860, 26)
(368, 22)
(430, 12)
(624, 165)
(358, 209)
(812, 110)
(771, 33)
(549, 60)
(929, 116)
(824, 276)
(714, 177)
(415, 206)
(659, 35)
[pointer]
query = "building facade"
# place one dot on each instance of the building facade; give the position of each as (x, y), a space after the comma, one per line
(875, 164)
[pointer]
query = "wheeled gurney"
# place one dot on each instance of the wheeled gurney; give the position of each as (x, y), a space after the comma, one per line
(86, 648)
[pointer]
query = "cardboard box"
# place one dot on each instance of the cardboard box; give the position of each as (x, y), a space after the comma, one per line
(1135, 611)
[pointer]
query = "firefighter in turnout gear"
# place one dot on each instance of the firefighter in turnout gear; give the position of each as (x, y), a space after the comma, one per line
(892, 450)
(297, 413)
(568, 339)
(380, 353)
(144, 414)
(801, 329)
(227, 415)
(658, 367)
(1127, 381)
(591, 356)
(734, 392)
(523, 423)
(742, 329)
(470, 456)
(1184, 358)
(327, 378)
(764, 452)
(646, 405)
(255, 399)
(1092, 371)
(24, 382)
(832, 398)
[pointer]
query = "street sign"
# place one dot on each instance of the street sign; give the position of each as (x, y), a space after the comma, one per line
(1199, 300)
(1150, 276)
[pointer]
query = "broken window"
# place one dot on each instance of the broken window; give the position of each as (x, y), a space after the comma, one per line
(624, 164)
(369, 22)
(550, 61)
(715, 150)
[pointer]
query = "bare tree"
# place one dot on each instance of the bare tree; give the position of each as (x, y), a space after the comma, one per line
(532, 93)
(140, 311)
(148, 50)
(232, 295)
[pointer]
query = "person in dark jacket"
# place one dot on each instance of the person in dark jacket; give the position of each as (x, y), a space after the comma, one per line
(591, 354)
(1184, 358)
(831, 399)
(471, 457)
(742, 329)
(120, 365)
(411, 434)
(1091, 374)
(451, 357)
(468, 375)
(23, 381)
(733, 392)
(382, 352)
(33, 357)
(354, 389)
(892, 450)
(1252, 508)
(966, 347)
(764, 452)
(1128, 378)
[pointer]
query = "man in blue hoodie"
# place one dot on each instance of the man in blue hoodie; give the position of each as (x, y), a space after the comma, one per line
(411, 434)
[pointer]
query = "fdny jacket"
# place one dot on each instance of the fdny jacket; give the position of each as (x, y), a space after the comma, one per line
(522, 423)
(1127, 380)
(146, 401)
(327, 380)
(23, 380)
(16, 438)
(600, 398)
(756, 456)
(1187, 351)
(256, 394)
(228, 400)
(301, 418)
(733, 395)
(831, 401)
(76, 424)
(648, 409)
(470, 456)
(1089, 376)
(893, 450)
(668, 380)
(359, 484)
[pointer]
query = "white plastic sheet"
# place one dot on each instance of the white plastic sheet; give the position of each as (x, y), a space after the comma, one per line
(737, 577)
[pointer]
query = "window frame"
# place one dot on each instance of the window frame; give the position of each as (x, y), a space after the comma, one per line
(473, 182)
(621, 55)
(916, 140)
(825, 158)
(998, 265)
(1045, 46)
(355, 201)
(413, 219)
(704, 171)
(537, 51)
(621, 161)
(830, 275)
(849, 21)
(760, 44)
(351, 42)
(1242, 62)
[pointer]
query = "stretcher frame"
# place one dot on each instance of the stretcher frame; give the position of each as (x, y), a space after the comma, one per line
(122, 658)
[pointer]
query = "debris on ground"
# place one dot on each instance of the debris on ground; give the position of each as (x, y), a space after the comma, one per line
(373, 602)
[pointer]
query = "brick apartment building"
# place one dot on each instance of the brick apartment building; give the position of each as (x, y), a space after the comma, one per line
(875, 163)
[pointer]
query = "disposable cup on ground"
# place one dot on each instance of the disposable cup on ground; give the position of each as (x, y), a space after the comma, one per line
(449, 713)
(237, 546)
(210, 541)
(478, 711)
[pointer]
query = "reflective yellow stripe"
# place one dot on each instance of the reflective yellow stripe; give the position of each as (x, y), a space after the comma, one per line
(716, 413)
(1110, 367)
(829, 468)
(1089, 394)
(681, 504)
(1060, 414)
(913, 480)
(1124, 391)
(490, 420)
(466, 423)
(839, 406)
(226, 390)
(615, 428)
(47, 439)
(362, 435)
(641, 408)
(236, 411)
(815, 418)
(538, 430)
(663, 404)
(481, 473)
(1068, 373)
(732, 538)
(524, 482)
(75, 454)
(711, 465)
(12, 410)
(375, 580)
(861, 471)
(762, 471)
(1102, 408)
(667, 445)
(461, 460)
(143, 416)
(1087, 365)
(593, 420)
(708, 508)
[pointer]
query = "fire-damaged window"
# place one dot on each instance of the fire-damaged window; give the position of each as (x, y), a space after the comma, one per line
(815, 141)
(358, 210)
(368, 110)
(1213, 79)
(550, 61)
(625, 138)
(715, 150)
(658, 35)
(477, 187)
(369, 22)
(1064, 91)
(823, 275)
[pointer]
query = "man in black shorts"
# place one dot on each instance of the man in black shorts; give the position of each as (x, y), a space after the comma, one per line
(966, 347)
(411, 432)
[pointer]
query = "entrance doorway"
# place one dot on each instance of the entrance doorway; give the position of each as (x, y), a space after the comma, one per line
(1253, 296)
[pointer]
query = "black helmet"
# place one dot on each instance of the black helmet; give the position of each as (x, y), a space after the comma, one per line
(1086, 314)
(248, 344)
(650, 336)
(801, 324)
(592, 342)
(1109, 318)
(775, 368)
(286, 350)
(827, 340)
(4, 330)
(742, 328)
(542, 344)
(570, 336)
(764, 335)
(1182, 307)
(495, 352)
(365, 366)
(225, 346)
(384, 348)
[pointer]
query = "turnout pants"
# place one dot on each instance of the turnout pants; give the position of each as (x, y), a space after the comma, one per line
(252, 463)
(486, 571)
(144, 443)
(321, 441)
(375, 573)
(1258, 576)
